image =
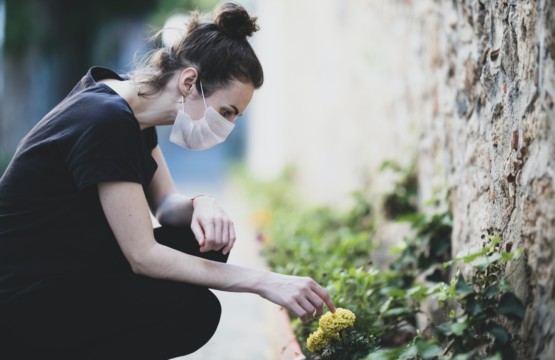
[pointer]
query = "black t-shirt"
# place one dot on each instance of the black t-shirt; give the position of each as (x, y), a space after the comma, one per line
(51, 221)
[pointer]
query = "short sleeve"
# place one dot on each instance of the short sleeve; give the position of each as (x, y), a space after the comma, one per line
(150, 137)
(109, 146)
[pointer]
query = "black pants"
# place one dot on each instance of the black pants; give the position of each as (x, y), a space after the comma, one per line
(118, 316)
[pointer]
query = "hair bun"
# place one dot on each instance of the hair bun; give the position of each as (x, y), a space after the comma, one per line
(234, 20)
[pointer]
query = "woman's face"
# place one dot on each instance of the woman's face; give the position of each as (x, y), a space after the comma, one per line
(230, 101)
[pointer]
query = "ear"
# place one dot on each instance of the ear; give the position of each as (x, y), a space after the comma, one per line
(187, 80)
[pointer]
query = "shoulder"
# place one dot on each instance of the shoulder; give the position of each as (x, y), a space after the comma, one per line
(97, 108)
(95, 74)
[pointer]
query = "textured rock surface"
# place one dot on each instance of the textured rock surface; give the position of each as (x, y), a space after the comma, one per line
(490, 135)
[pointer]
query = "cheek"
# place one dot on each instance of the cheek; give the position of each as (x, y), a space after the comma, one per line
(195, 112)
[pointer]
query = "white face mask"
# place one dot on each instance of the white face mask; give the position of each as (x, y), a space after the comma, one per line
(204, 133)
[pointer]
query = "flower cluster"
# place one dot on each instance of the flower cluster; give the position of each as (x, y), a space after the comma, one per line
(337, 321)
(331, 324)
(317, 341)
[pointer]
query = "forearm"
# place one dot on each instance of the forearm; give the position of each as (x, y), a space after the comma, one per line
(126, 210)
(300, 295)
(175, 210)
(166, 263)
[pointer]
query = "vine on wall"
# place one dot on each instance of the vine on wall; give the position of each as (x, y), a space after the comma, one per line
(478, 313)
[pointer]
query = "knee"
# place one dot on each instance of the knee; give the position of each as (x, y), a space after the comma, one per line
(204, 321)
(183, 239)
(212, 312)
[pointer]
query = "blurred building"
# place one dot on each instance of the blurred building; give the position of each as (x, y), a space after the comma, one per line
(335, 103)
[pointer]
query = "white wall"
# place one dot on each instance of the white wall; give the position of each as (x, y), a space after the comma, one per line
(334, 102)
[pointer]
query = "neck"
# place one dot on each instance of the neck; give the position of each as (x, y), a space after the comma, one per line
(158, 109)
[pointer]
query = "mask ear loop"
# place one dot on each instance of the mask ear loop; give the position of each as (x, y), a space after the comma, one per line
(202, 92)
(183, 103)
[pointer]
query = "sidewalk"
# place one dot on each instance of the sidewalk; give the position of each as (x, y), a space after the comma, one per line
(251, 328)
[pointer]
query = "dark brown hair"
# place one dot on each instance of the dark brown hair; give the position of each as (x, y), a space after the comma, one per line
(218, 49)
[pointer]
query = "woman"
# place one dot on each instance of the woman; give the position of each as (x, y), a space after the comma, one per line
(82, 272)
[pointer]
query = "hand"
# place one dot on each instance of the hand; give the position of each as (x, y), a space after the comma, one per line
(301, 295)
(212, 227)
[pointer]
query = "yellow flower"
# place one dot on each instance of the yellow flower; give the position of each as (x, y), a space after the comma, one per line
(333, 323)
(317, 341)
(330, 326)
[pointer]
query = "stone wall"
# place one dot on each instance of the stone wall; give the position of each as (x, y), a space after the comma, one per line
(490, 134)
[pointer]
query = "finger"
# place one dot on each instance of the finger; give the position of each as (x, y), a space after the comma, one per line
(225, 236)
(308, 307)
(232, 238)
(299, 311)
(208, 227)
(199, 234)
(219, 235)
(317, 303)
(323, 294)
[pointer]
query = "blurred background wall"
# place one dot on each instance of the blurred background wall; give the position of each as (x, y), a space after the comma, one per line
(338, 95)
(48, 45)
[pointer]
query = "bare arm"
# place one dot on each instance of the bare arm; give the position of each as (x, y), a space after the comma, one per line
(126, 209)
(212, 227)
(169, 207)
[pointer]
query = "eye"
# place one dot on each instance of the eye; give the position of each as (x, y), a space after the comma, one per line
(228, 114)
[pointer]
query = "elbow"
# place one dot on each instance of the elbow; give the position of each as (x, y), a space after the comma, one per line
(140, 263)
(138, 267)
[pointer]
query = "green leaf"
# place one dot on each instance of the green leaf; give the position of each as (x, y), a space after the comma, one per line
(465, 356)
(492, 291)
(467, 258)
(473, 306)
(397, 312)
(385, 305)
(504, 285)
(440, 246)
(494, 239)
(414, 290)
(410, 353)
(427, 350)
(512, 255)
(397, 293)
(497, 356)
(462, 287)
(483, 262)
(511, 306)
(499, 332)
(453, 328)
(458, 328)
(392, 354)
(398, 249)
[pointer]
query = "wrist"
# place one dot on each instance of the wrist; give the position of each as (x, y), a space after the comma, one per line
(197, 197)
(259, 282)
